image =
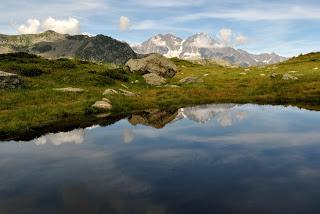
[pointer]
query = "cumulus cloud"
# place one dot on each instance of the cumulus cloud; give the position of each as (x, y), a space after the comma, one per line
(32, 26)
(241, 39)
(225, 35)
(68, 26)
(75, 137)
(229, 37)
(124, 23)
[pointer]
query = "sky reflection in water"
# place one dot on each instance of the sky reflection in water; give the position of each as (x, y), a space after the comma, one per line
(207, 159)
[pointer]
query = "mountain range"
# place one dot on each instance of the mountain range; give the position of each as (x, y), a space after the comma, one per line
(105, 49)
(50, 44)
(202, 46)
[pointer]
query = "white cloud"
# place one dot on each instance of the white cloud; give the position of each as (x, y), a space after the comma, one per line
(73, 137)
(69, 26)
(128, 136)
(124, 23)
(225, 35)
(32, 26)
(241, 39)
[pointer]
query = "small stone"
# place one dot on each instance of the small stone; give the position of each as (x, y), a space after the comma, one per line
(106, 100)
(137, 81)
(110, 91)
(292, 72)
(191, 79)
(124, 86)
(103, 115)
(316, 68)
(127, 93)
(262, 75)
(69, 89)
(274, 75)
(172, 86)
(242, 73)
(289, 77)
(205, 75)
(102, 105)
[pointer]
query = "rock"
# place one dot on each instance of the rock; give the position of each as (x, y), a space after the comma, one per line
(102, 105)
(289, 77)
(106, 100)
(191, 79)
(262, 75)
(172, 86)
(110, 91)
(154, 63)
(205, 75)
(9, 80)
(242, 73)
(292, 72)
(154, 79)
(316, 68)
(123, 85)
(69, 89)
(274, 75)
(127, 93)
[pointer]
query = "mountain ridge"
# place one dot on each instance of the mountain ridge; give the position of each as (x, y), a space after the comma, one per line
(50, 44)
(203, 46)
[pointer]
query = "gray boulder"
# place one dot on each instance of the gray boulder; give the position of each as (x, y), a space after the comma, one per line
(154, 63)
(9, 80)
(154, 79)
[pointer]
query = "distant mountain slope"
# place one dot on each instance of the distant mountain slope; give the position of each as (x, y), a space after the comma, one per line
(202, 46)
(54, 45)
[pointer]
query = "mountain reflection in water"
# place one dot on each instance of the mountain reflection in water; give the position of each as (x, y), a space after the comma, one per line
(220, 158)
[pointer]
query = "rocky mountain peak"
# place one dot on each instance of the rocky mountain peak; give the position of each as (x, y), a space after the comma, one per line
(202, 46)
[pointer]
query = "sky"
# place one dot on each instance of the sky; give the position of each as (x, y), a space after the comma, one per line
(287, 27)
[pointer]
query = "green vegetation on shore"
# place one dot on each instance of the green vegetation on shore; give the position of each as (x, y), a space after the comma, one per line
(36, 104)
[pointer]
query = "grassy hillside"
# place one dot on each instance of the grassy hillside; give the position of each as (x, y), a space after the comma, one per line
(36, 104)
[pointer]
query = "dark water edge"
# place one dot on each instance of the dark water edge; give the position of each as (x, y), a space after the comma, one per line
(84, 121)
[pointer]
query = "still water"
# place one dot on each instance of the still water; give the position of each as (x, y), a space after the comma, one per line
(205, 159)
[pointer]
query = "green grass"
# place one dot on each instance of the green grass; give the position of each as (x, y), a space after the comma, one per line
(36, 104)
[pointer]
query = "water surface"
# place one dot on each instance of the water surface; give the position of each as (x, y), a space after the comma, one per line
(206, 159)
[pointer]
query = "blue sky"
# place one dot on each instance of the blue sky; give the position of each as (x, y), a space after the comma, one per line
(287, 27)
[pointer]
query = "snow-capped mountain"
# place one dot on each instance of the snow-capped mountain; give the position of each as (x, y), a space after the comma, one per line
(202, 46)
(167, 45)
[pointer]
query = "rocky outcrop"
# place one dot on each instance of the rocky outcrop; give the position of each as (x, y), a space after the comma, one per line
(154, 79)
(154, 63)
(9, 80)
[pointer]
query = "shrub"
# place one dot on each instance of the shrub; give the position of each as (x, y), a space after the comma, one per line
(117, 74)
(28, 71)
